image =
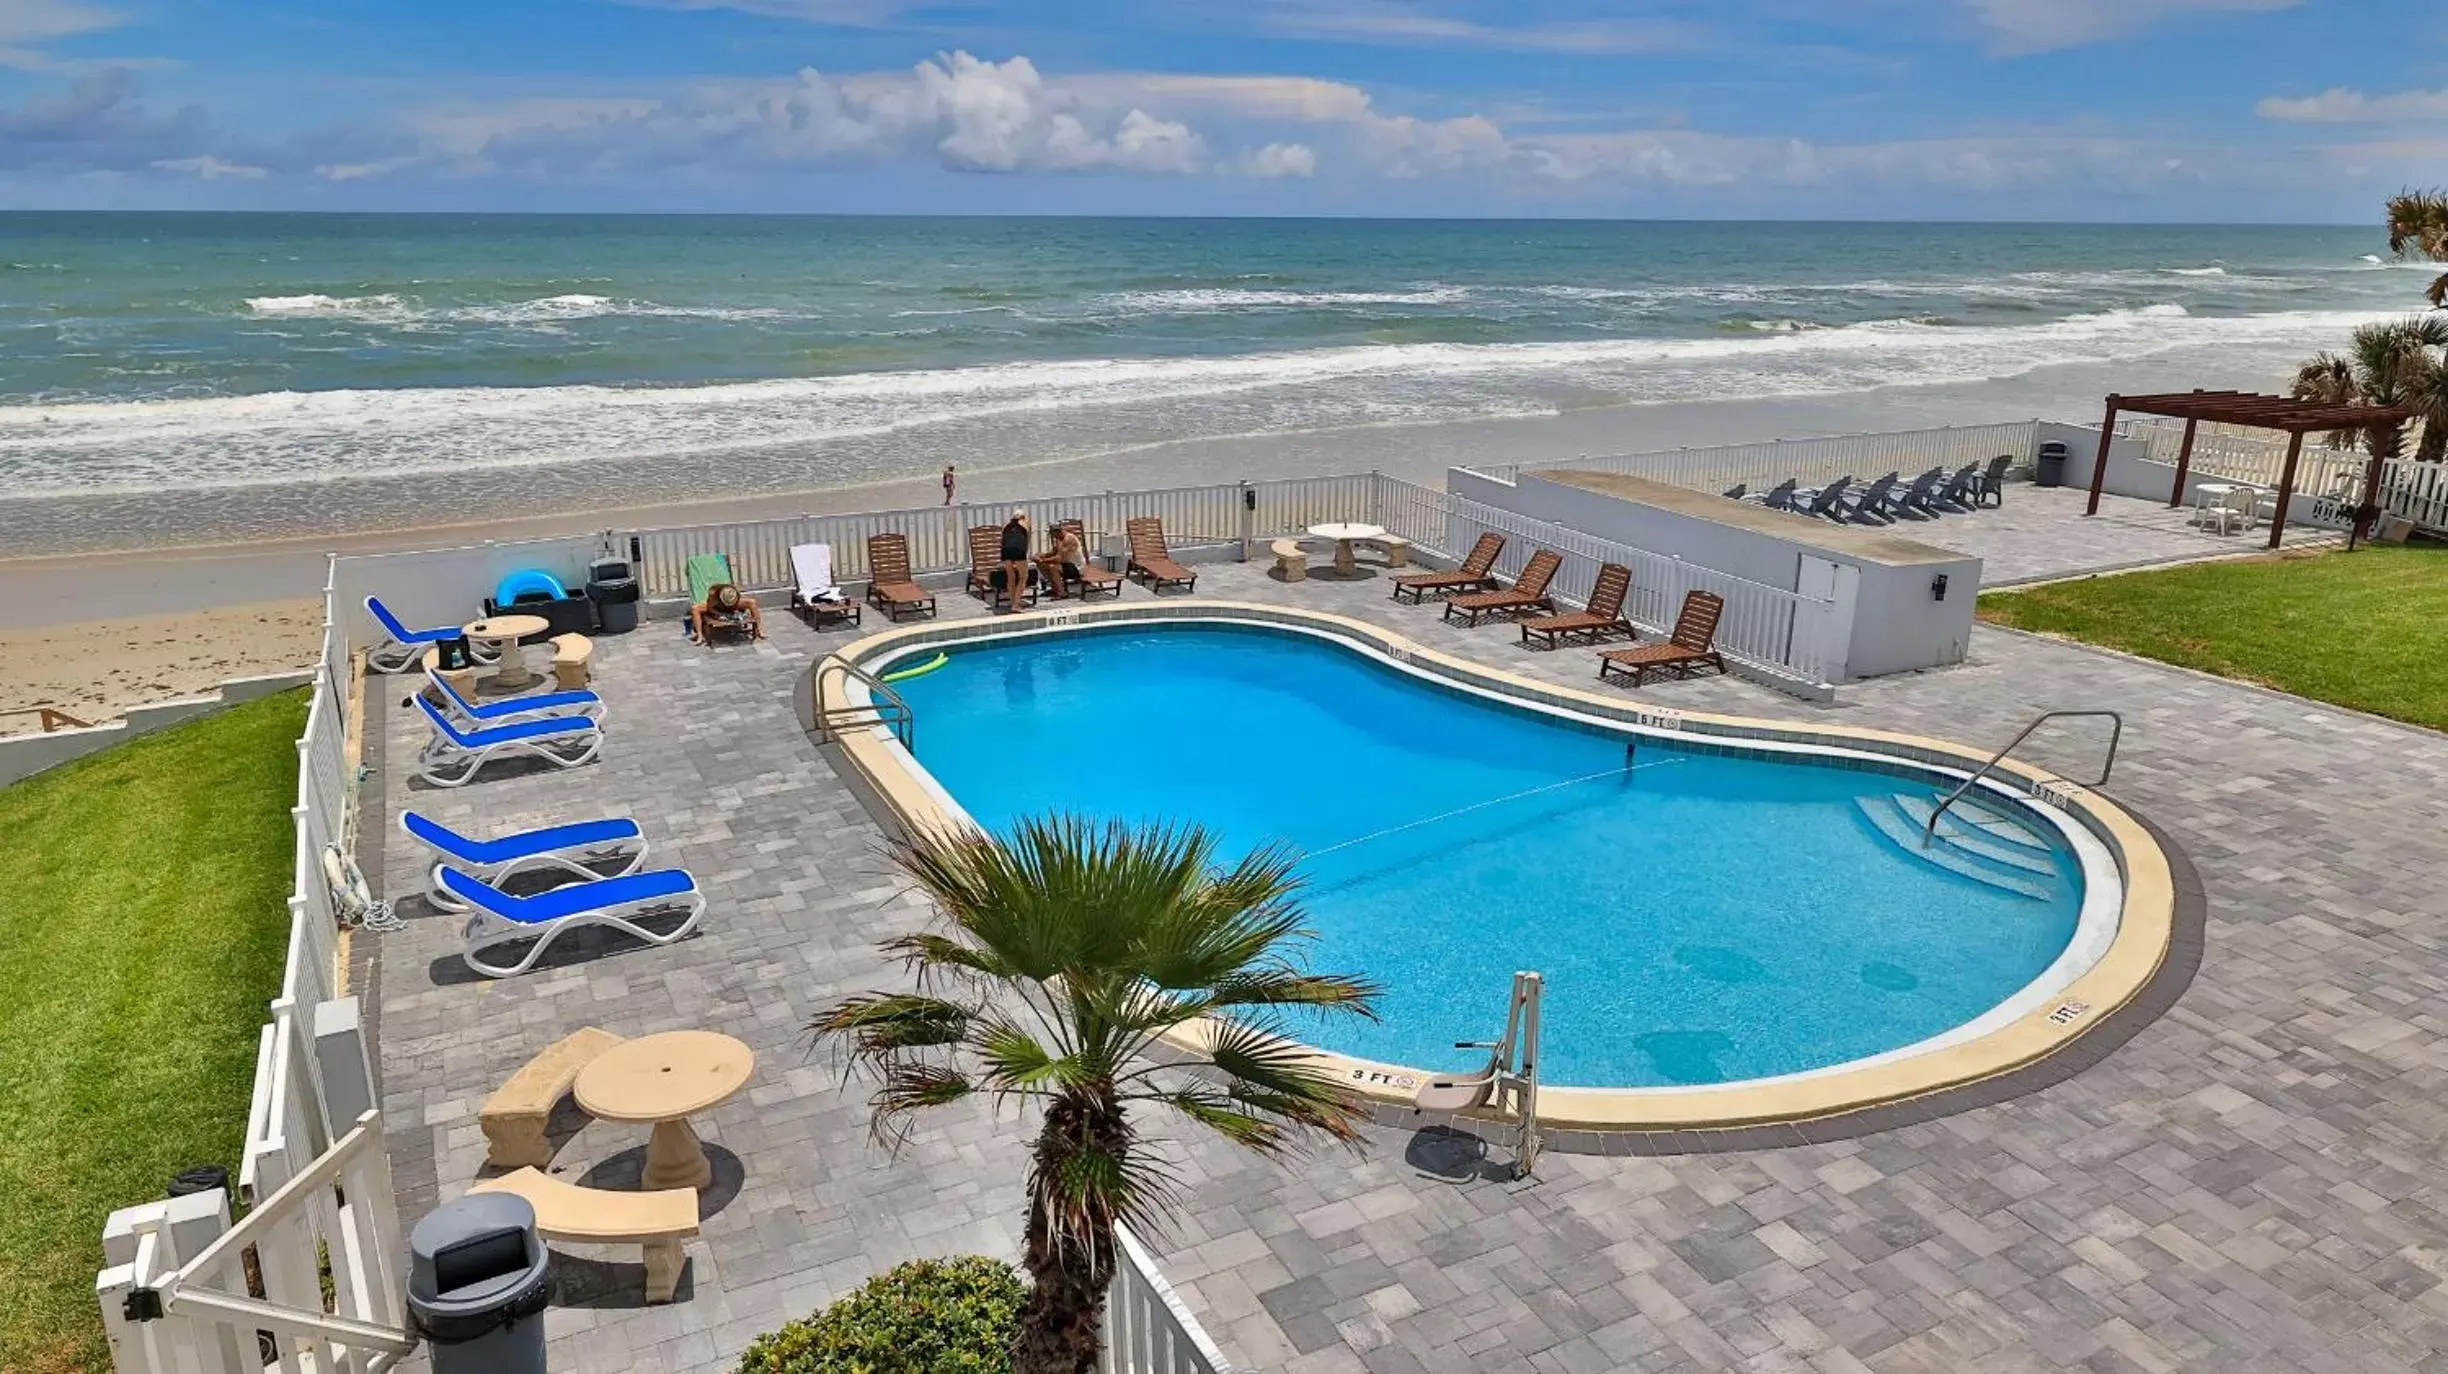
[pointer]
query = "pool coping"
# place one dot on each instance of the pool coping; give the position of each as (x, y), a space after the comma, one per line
(2133, 959)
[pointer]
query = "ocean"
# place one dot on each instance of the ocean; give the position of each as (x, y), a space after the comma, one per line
(176, 377)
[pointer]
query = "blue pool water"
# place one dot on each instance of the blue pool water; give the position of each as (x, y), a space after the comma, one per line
(1699, 919)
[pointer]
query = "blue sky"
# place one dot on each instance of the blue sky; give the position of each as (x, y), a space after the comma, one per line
(2308, 111)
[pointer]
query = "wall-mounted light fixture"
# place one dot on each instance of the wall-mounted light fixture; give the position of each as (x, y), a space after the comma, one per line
(1938, 587)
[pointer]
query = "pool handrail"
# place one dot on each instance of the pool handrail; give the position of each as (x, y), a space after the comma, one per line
(885, 705)
(1929, 831)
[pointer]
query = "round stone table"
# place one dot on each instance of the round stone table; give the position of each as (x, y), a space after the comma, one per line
(504, 632)
(1344, 534)
(665, 1079)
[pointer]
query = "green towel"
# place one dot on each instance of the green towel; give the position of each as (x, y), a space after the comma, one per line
(704, 571)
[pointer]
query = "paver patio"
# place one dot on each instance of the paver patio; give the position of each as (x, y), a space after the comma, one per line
(2250, 1183)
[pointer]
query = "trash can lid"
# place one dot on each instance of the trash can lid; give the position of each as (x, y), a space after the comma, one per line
(474, 1254)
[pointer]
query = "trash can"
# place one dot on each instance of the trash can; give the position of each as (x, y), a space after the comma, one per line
(477, 1284)
(614, 590)
(2051, 465)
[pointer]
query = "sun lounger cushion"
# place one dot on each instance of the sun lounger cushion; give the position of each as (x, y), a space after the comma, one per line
(571, 899)
(507, 731)
(453, 845)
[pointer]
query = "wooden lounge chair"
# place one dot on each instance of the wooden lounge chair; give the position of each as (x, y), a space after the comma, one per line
(1093, 577)
(889, 588)
(1528, 593)
(1475, 574)
(1150, 561)
(1692, 645)
(1601, 619)
(986, 564)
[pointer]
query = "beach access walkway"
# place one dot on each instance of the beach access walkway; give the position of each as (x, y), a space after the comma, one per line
(2250, 1183)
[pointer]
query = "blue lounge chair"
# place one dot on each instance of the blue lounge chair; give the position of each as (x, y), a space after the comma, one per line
(406, 647)
(454, 756)
(580, 850)
(497, 918)
(579, 703)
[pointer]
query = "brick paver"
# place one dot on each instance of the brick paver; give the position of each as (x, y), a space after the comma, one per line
(2250, 1183)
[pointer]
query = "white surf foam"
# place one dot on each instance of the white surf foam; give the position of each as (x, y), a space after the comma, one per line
(1203, 300)
(287, 437)
(392, 308)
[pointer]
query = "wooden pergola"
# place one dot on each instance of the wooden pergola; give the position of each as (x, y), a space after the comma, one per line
(2295, 418)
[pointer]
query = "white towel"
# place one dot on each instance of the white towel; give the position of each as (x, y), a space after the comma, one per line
(814, 565)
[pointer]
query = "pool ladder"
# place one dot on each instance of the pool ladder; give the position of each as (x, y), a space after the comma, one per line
(1929, 831)
(884, 705)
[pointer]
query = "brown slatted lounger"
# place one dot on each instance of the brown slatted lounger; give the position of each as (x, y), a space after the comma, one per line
(1602, 619)
(1474, 575)
(1693, 644)
(1528, 592)
(1093, 577)
(986, 564)
(1150, 561)
(889, 588)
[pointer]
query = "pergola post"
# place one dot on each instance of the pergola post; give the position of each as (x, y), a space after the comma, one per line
(2099, 464)
(2184, 460)
(2286, 486)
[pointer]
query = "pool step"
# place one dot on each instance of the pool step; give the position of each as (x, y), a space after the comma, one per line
(1947, 851)
(1988, 834)
(1976, 813)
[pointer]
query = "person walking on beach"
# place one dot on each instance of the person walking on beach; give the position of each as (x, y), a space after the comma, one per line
(947, 484)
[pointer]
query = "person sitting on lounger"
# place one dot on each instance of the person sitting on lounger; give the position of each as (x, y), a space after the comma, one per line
(1062, 565)
(1013, 577)
(725, 606)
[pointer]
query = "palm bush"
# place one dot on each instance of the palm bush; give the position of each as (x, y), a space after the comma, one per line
(2418, 228)
(1066, 952)
(952, 1316)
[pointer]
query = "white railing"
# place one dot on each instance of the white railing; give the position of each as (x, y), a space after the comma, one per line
(1809, 462)
(1780, 633)
(2328, 481)
(1148, 1329)
(2416, 491)
(179, 1299)
(938, 536)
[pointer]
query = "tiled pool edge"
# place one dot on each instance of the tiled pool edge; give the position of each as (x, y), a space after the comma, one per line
(2121, 974)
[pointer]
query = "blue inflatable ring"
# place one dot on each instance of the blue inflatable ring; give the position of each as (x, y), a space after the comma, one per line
(526, 581)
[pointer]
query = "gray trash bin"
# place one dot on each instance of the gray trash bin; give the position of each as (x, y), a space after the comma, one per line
(2051, 465)
(478, 1279)
(614, 590)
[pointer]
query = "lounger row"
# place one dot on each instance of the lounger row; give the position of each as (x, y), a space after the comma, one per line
(1930, 495)
(599, 864)
(1472, 593)
(892, 589)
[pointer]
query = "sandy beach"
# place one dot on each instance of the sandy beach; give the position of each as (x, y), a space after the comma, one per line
(94, 633)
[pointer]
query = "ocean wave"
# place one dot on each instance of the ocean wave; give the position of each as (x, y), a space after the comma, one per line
(1200, 300)
(392, 308)
(290, 436)
(2198, 271)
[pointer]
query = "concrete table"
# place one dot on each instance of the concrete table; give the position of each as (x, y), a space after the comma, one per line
(665, 1079)
(1343, 536)
(504, 632)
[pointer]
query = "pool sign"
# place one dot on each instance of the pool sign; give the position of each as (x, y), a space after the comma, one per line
(1379, 1078)
(2068, 1012)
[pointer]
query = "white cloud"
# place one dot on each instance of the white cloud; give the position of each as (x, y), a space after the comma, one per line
(1280, 160)
(34, 21)
(1412, 25)
(2343, 105)
(2028, 26)
(207, 167)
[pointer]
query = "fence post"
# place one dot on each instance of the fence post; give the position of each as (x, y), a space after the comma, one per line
(340, 1057)
(1249, 518)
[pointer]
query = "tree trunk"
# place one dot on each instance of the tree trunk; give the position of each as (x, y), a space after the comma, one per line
(2386, 442)
(2434, 443)
(1070, 1247)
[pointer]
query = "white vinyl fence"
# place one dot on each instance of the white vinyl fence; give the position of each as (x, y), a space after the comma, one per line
(1787, 638)
(1809, 462)
(1223, 513)
(2328, 481)
(180, 1296)
(1148, 1329)
(2416, 491)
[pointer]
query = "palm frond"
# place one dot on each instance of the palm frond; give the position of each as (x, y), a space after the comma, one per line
(2418, 224)
(908, 1087)
(1280, 1076)
(882, 1027)
(1294, 988)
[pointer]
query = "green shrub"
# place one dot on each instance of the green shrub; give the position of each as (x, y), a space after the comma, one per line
(952, 1316)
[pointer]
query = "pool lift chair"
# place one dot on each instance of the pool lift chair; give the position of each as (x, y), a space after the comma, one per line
(1507, 1088)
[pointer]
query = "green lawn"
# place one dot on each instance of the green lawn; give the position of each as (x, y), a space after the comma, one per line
(142, 926)
(2367, 629)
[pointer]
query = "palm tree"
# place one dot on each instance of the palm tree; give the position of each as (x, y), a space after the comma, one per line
(2393, 366)
(2327, 379)
(1067, 951)
(2418, 228)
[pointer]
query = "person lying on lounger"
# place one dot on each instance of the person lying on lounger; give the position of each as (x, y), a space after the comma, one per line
(725, 607)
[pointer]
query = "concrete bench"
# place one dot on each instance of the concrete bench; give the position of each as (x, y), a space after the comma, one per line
(659, 1220)
(1396, 548)
(1291, 560)
(514, 1116)
(573, 657)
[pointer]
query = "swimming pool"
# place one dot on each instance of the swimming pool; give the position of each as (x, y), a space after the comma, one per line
(1704, 916)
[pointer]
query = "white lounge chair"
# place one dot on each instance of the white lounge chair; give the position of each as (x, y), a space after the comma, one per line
(454, 756)
(579, 850)
(473, 713)
(816, 595)
(622, 903)
(405, 647)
